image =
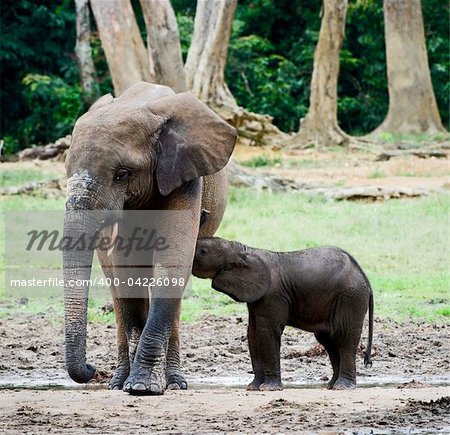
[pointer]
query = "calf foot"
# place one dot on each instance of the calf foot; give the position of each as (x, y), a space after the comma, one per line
(331, 383)
(116, 382)
(271, 385)
(344, 384)
(254, 385)
(145, 381)
(175, 380)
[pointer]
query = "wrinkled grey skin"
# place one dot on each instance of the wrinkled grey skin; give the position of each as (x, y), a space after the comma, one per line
(321, 290)
(149, 149)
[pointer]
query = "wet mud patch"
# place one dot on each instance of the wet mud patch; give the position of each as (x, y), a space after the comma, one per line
(409, 362)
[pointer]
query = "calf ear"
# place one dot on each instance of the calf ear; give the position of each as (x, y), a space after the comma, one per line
(246, 281)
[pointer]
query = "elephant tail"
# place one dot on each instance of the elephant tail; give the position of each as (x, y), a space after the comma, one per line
(368, 353)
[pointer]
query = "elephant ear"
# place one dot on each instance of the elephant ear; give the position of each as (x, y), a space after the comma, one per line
(194, 141)
(246, 281)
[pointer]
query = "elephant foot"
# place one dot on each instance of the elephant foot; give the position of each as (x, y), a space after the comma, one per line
(116, 382)
(274, 385)
(254, 385)
(176, 381)
(343, 384)
(151, 382)
(331, 383)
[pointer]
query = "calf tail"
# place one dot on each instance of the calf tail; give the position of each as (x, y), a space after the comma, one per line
(368, 353)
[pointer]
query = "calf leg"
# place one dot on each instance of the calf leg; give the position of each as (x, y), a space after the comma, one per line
(268, 338)
(347, 369)
(257, 363)
(333, 353)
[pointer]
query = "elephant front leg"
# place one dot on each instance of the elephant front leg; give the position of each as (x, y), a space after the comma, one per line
(175, 379)
(268, 335)
(148, 375)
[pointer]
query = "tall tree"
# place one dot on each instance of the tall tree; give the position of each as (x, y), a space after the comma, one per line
(412, 103)
(163, 44)
(320, 125)
(83, 51)
(122, 42)
(207, 56)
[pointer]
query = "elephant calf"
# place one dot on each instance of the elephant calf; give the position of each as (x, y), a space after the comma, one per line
(321, 290)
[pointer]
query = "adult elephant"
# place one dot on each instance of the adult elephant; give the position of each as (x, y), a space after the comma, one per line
(148, 149)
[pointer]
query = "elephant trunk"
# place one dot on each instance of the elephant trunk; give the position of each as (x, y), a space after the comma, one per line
(77, 264)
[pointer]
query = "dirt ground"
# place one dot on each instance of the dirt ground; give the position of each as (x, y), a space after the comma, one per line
(407, 389)
(324, 168)
(352, 168)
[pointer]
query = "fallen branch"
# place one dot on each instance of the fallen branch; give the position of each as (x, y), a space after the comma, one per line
(241, 177)
(48, 189)
(422, 154)
(55, 151)
(374, 193)
(254, 129)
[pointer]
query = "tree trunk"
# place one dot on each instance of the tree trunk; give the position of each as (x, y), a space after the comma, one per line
(83, 52)
(207, 57)
(320, 126)
(412, 104)
(163, 44)
(121, 40)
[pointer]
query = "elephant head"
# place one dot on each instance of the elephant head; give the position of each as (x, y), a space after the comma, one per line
(130, 152)
(234, 269)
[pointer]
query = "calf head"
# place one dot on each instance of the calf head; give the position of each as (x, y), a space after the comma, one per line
(234, 270)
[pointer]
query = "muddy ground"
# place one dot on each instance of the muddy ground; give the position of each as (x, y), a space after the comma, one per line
(406, 389)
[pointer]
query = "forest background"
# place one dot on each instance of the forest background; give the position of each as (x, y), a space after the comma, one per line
(268, 70)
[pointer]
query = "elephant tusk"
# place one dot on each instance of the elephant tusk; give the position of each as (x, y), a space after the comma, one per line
(114, 233)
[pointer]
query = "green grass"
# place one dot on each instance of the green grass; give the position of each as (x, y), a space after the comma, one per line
(414, 138)
(262, 161)
(414, 174)
(309, 163)
(14, 177)
(403, 245)
(377, 174)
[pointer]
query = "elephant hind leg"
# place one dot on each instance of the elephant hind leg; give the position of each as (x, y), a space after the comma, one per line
(123, 362)
(346, 342)
(333, 353)
(347, 369)
(131, 314)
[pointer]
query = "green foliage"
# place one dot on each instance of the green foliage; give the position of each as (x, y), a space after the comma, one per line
(59, 105)
(362, 88)
(270, 58)
(263, 81)
(38, 38)
(269, 63)
(437, 32)
(186, 29)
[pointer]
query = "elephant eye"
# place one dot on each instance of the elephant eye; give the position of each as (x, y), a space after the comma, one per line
(122, 175)
(203, 251)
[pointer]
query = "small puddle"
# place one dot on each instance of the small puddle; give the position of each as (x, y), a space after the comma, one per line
(51, 380)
